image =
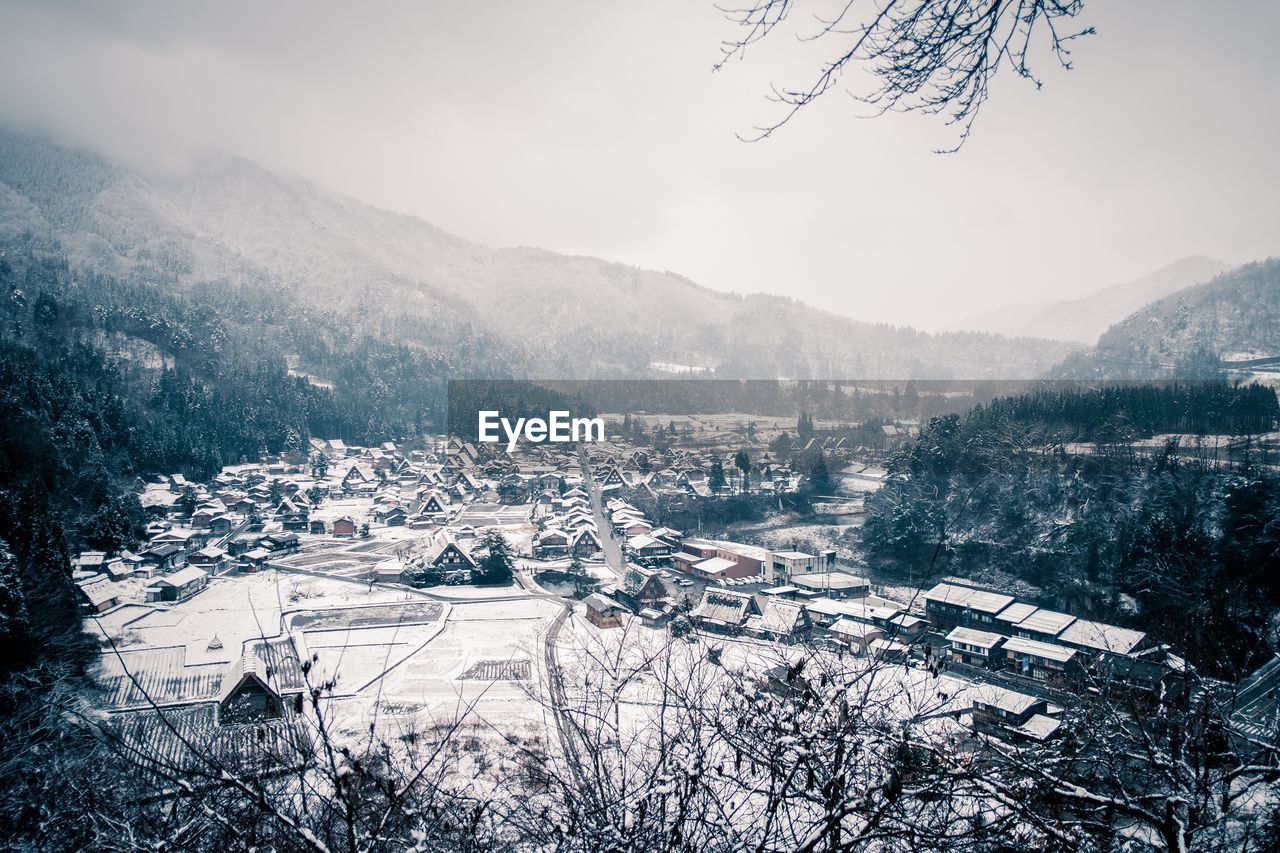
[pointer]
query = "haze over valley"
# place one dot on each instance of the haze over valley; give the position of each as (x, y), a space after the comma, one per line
(401, 279)
(809, 426)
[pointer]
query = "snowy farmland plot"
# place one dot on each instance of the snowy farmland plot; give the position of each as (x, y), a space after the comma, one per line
(379, 645)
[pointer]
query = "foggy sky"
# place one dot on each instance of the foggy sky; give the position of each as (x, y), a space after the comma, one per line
(598, 128)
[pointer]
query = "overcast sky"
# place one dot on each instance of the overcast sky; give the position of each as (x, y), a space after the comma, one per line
(598, 128)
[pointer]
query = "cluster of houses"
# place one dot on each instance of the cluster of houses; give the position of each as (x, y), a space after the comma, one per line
(719, 561)
(176, 564)
(568, 528)
(414, 489)
(643, 540)
(836, 606)
(829, 604)
(995, 631)
(982, 628)
(249, 515)
(681, 473)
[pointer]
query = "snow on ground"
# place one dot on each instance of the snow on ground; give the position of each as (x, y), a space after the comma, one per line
(465, 593)
(337, 507)
(637, 661)
(400, 660)
(597, 569)
(428, 685)
(800, 535)
(358, 658)
(236, 608)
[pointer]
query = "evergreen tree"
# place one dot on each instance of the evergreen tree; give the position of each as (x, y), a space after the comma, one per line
(804, 428)
(496, 565)
(819, 481)
(15, 619)
(715, 478)
(319, 466)
(186, 501)
(743, 463)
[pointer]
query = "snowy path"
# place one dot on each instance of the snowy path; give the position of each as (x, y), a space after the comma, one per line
(612, 551)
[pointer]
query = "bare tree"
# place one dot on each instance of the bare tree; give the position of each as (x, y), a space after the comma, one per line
(932, 56)
(698, 742)
(677, 745)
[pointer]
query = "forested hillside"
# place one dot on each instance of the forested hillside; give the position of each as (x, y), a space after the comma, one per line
(1178, 542)
(106, 378)
(397, 278)
(1234, 316)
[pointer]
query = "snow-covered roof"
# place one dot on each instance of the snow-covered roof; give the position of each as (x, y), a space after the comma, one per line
(722, 607)
(173, 535)
(1101, 636)
(971, 637)
(99, 592)
(1039, 727)
(994, 696)
(1016, 612)
(1046, 622)
(714, 565)
(585, 533)
(776, 617)
(751, 551)
(846, 627)
(830, 580)
(118, 568)
(1035, 648)
(603, 604)
(182, 577)
(855, 609)
(966, 596)
(248, 665)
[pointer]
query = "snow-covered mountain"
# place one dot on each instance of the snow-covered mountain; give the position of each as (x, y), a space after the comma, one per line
(401, 278)
(1233, 317)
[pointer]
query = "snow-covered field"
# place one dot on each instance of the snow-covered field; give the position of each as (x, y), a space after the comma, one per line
(429, 686)
(395, 656)
(235, 609)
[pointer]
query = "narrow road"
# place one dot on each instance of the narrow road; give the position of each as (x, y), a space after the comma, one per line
(559, 706)
(608, 541)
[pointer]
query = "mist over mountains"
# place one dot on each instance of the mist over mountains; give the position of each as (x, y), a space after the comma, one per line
(1083, 320)
(1234, 317)
(397, 278)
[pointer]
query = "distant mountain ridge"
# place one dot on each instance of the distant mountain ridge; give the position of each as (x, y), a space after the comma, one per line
(402, 279)
(1083, 320)
(1232, 317)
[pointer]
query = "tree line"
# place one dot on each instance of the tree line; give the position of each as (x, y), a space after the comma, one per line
(1174, 538)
